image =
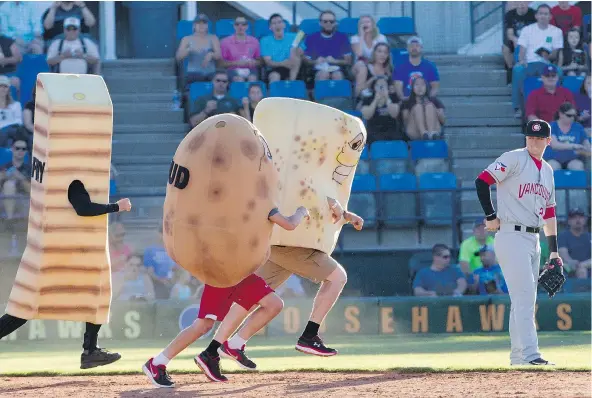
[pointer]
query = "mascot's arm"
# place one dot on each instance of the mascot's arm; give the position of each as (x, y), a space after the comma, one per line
(80, 200)
(288, 223)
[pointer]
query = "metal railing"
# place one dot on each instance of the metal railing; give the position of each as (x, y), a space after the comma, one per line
(484, 15)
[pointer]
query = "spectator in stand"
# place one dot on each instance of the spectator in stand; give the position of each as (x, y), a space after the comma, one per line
(251, 102)
(119, 251)
(202, 51)
(364, 42)
(514, 21)
(181, 289)
(137, 285)
(539, 45)
(423, 113)
(15, 178)
(582, 100)
(381, 110)
(160, 267)
(11, 113)
(241, 53)
(574, 244)
(566, 16)
(413, 67)
(489, 278)
(10, 57)
(292, 288)
(281, 51)
(440, 279)
(569, 142)
(380, 65)
(55, 16)
(467, 259)
(572, 57)
(73, 54)
(544, 102)
(328, 52)
(29, 114)
(19, 21)
(216, 103)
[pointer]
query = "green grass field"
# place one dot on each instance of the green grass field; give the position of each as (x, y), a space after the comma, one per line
(479, 352)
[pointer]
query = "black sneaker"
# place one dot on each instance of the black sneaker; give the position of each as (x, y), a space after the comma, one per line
(238, 355)
(98, 357)
(314, 346)
(541, 361)
(158, 375)
(210, 366)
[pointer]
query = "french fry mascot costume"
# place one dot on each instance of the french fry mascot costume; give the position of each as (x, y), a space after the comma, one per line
(65, 272)
(315, 149)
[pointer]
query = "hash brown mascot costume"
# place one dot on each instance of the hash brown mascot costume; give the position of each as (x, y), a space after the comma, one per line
(222, 186)
(65, 271)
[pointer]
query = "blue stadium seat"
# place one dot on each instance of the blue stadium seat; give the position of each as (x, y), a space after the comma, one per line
(199, 89)
(437, 149)
(396, 26)
(355, 113)
(5, 155)
(397, 182)
(364, 183)
(531, 84)
(240, 90)
(364, 155)
(364, 205)
(573, 83)
(225, 27)
(436, 207)
(310, 25)
(185, 28)
(399, 55)
(570, 179)
(389, 157)
(262, 28)
(364, 163)
(334, 93)
(516, 54)
(400, 208)
(348, 26)
(27, 71)
(287, 88)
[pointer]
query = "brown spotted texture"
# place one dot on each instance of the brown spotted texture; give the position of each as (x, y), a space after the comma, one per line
(232, 187)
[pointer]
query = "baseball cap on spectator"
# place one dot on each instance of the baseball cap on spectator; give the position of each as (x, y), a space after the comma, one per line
(550, 70)
(415, 39)
(4, 81)
(478, 222)
(72, 21)
(576, 212)
(201, 18)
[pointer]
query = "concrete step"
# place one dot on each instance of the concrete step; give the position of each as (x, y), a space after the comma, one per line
(141, 98)
(140, 84)
(475, 153)
(498, 131)
(490, 91)
(477, 99)
(487, 139)
(141, 178)
(472, 78)
(120, 160)
(470, 121)
(133, 72)
(474, 162)
(143, 191)
(139, 64)
(151, 138)
(141, 128)
(479, 110)
(146, 148)
(464, 60)
(148, 117)
(468, 173)
(145, 106)
(153, 167)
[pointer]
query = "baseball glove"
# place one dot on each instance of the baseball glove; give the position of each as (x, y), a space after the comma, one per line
(552, 278)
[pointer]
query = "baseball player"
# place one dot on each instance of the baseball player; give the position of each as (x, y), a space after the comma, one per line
(526, 202)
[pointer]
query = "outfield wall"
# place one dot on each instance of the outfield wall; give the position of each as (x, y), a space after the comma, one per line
(385, 316)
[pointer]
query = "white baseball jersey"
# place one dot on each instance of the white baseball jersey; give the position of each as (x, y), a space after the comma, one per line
(523, 191)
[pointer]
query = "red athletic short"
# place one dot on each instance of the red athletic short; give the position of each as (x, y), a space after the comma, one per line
(216, 302)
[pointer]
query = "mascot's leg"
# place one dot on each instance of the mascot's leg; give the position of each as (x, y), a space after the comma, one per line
(93, 356)
(9, 324)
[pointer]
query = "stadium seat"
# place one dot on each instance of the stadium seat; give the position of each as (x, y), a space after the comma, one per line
(5, 155)
(418, 261)
(573, 83)
(436, 207)
(400, 208)
(399, 55)
(309, 26)
(396, 26)
(355, 113)
(364, 205)
(348, 26)
(364, 163)
(239, 90)
(365, 155)
(364, 183)
(27, 71)
(288, 88)
(437, 149)
(199, 89)
(576, 183)
(225, 27)
(262, 28)
(531, 84)
(334, 93)
(389, 157)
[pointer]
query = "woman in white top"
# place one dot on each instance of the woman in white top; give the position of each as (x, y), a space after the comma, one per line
(11, 112)
(137, 285)
(363, 43)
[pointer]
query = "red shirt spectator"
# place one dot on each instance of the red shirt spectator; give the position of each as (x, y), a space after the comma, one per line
(566, 16)
(544, 102)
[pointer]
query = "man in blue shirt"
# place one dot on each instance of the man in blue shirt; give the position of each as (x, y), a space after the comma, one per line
(575, 243)
(489, 278)
(281, 52)
(413, 67)
(160, 268)
(440, 279)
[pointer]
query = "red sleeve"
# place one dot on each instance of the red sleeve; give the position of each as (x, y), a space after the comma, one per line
(531, 104)
(577, 16)
(549, 213)
(488, 178)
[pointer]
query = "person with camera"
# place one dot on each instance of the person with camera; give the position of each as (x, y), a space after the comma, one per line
(74, 54)
(489, 278)
(14, 177)
(381, 110)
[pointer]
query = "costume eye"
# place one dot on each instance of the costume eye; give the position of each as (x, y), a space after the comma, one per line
(357, 143)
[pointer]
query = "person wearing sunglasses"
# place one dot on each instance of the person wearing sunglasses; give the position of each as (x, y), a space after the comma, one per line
(441, 278)
(241, 53)
(569, 142)
(74, 54)
(14, 178)
(216, 103)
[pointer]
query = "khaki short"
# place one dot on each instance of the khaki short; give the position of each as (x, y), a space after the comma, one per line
(284, 261)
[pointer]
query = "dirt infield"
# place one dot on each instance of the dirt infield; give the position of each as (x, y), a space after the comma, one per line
(311, 384)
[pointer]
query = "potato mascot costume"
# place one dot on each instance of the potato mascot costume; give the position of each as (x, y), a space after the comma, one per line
(221, 188)
(316, 150)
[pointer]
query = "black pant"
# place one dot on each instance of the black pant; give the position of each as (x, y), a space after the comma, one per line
(9, 324)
